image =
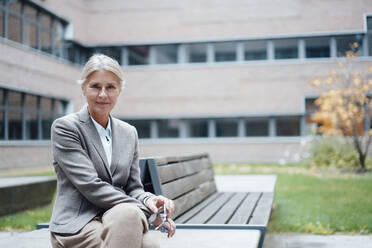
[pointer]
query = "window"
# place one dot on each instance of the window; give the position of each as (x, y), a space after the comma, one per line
(317, 47)
(257, 127)
(197, 53)
(30, 35)
(225, 51)
(143, 128)
(168, 128)
(1, 21)
(286, 49)
(58, 36)
(255, 50)
(370, 44)
(288, 126)
(113, 52)
(14, 28)
(31, 116)
(227, 128)
(27, 114)
(198, 128)
(344, 44)
(311, 108)
(138, 55)
(166, 54)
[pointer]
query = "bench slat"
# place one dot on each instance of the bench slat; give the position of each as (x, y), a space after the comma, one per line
(245, 210)
(208, 212)
(261, 214)
(192, 198)
(183, 185)
(173, 171)
(169, 160)
(224, 214)
(189, 214)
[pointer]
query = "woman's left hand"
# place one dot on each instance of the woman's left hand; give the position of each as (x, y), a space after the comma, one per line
(155, 202)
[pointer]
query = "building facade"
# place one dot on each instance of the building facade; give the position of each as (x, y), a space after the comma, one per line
(226, 77)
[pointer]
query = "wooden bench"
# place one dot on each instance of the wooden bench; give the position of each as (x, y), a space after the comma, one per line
(189, 182)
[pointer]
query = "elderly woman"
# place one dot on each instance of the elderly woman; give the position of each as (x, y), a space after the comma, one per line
(100, 200)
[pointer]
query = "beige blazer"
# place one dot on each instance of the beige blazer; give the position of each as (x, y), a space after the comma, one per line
(86, 184)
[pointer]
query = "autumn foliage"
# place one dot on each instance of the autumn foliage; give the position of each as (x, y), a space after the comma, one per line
(345, 104)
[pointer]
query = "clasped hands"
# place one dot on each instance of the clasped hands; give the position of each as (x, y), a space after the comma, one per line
(154, 203)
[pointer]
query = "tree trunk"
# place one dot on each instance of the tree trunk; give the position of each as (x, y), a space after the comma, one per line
(362, 161)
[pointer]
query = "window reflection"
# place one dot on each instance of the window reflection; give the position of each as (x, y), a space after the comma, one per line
(138, 55)
(197, 53)
(286, 49)
(225, 51)
(288, 126)
(198, 128)
(168, 128)
(227, 128)
(344, 44)
(255, 50)
(317, 47)
(257, 127)
(166, 54)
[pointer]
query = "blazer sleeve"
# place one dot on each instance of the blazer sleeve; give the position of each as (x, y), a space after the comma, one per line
(74, 161)
(134, 186)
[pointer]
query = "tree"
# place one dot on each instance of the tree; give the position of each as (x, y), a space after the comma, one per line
(345, 104)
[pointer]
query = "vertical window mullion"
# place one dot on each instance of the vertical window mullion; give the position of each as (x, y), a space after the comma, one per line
(23, 116)
(52, 35)
(39, 125)
(6, 20)
(6, 114)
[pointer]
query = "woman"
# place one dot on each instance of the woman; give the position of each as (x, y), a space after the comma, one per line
(100, 200)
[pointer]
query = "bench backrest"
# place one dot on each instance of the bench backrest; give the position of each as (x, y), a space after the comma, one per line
(187, 180)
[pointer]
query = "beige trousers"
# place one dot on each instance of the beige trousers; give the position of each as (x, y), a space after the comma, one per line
(123, 226)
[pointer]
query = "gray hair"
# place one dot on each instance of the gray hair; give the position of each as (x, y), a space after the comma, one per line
(102, 62)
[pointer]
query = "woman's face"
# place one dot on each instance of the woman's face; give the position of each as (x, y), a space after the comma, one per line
(101, 91)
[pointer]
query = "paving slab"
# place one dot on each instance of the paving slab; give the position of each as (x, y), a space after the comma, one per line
(184, 238)
(16, 181)
(246, 183)
(318, 241)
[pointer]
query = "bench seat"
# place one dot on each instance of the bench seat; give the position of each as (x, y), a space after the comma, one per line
(189, 182)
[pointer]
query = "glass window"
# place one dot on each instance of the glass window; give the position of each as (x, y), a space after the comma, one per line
(168, 128)
(227, 128)
(370, 45)
(14, 28)
(46, 45)
(30, 38)
(255, 50)
(113, 52)
(2, 98)
(198, 128)
(31, 126)
(30, 13)
(197, 53)
(46, 104)
(288, 126)
(286, 49)
(31, 103)
(61, 108)
(2, 124)
(1, 22)
(45, 20)
(143, 128)
(257, 127)
(15, 6)
(46, 123)
(15, 125)
(225, 51)
(138, 55)
(58, 31)
(14, 100)
(317, 47)
(166, 54)
(344, 44)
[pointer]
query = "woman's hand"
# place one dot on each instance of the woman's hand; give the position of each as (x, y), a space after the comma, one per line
(155, 202)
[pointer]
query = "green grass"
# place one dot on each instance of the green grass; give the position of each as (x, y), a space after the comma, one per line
(27, 220)
(309, 200)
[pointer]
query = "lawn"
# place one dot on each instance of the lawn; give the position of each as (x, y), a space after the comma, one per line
(307, 200)
(315, 201)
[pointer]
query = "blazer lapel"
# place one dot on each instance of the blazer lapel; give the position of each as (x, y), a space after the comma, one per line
(95, 139)
(116, 140)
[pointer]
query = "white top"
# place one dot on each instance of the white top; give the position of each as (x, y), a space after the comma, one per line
(106, 138)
